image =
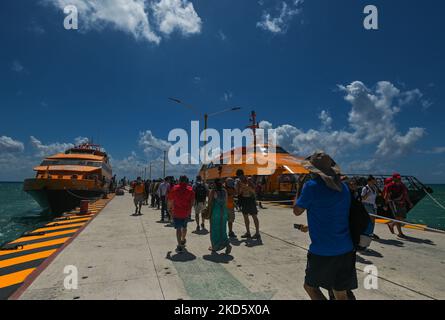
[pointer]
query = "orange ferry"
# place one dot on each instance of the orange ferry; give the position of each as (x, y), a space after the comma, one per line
(63, 180)
(281, 181)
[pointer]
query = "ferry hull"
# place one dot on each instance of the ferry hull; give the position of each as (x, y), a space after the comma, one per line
(60, 197)
(60, 201)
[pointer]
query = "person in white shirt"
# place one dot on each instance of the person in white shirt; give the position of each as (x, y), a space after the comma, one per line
(163, 190)
(369, 195)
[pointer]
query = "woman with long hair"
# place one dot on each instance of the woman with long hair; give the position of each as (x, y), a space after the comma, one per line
(218, 218)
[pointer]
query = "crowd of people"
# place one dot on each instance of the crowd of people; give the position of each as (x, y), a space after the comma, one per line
(340, 215)
(217, 203)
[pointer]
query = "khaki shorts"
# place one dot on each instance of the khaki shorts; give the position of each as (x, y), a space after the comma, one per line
(398, 209)
(138, 199)
(199, 206)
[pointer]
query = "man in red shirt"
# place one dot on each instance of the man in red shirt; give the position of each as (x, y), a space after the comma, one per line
(181, 199)
(397, 198)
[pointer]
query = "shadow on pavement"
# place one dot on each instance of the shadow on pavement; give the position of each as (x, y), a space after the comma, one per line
(236, 242)
(363, 260)
(390, 242)
(253, 243)
(201, 232)
(181, 257)
(418, 240)
(371, 253)
(218, 258)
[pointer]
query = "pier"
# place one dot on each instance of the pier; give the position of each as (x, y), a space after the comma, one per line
(121, 256)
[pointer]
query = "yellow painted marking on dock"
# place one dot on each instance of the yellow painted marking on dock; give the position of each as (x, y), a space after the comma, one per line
(18, 277)
(26, 258)
(37, 245)
(77, 215)
(60, 227)
(414, 227)
(65, 222)
(48, 235)
(14, 278)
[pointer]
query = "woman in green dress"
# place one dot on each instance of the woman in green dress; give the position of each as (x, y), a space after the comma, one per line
(218, 218)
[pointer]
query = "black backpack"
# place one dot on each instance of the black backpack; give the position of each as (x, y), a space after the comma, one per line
(200, 192)
(358, 220)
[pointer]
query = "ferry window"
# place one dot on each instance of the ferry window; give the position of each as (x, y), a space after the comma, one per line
(71, 162)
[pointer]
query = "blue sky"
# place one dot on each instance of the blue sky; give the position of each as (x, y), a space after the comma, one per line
(308, 68)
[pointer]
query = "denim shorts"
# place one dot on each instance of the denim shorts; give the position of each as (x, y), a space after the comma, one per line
(180, 223)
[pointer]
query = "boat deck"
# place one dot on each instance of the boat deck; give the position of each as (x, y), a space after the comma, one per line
(120, 256)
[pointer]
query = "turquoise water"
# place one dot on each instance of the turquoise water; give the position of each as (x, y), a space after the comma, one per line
(20, 213)
(428, 212)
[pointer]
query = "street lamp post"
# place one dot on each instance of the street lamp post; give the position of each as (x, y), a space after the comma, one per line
(206, 118)
(150, 171)
(165, 156)
(165, 160)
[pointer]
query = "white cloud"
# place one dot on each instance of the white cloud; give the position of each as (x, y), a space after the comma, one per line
(227, 96)
(134, 16)
(326, 119)
(16, 166)
(435, 150)
(152, 145)
(42, 150)
(279, 23)
(129, 16)
(222, 35)
(180, 15)
(371, 122)
(17, 66)
(81, 140)
(9, 145)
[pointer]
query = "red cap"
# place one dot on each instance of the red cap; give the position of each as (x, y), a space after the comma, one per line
(396, 176)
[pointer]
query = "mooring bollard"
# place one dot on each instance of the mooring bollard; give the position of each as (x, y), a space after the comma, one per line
(84, 206)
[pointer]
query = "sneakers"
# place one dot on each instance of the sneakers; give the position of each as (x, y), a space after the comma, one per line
(198, 229)
(232, 234)
(179, 249)
(246, 236)
(375, 237)
(257, 236)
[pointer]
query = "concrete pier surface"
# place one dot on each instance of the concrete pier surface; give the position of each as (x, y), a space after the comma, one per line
(120, 256)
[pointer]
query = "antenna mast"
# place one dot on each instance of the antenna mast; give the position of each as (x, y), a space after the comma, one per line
(254, 125)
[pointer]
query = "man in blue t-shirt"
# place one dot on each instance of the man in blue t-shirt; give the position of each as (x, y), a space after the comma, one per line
(331, 258)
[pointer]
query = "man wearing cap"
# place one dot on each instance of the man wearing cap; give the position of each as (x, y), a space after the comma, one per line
(397, 198)
(331, 258)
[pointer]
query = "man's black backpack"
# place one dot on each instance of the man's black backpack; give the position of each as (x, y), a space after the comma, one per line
(200, 192)
(358, 220)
